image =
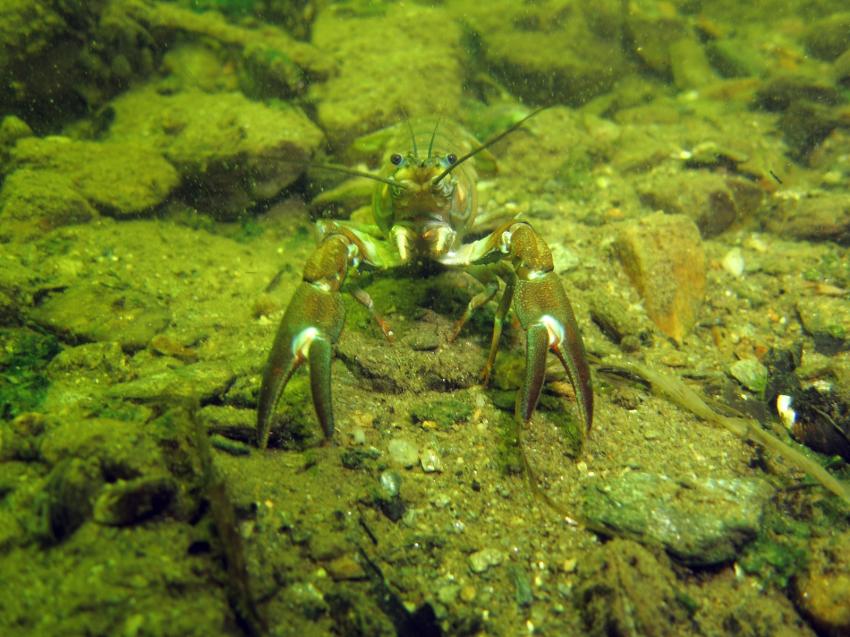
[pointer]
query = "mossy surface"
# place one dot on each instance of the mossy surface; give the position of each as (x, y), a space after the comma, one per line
(24, 356)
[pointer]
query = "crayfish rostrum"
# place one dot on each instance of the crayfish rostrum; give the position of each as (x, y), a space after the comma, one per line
(423, 204)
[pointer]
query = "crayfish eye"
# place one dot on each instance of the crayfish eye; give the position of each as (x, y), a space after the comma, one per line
(451, 158)
(395, 159)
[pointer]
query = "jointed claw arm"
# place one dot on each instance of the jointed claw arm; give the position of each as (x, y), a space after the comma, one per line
(310, 327)
(540, 303)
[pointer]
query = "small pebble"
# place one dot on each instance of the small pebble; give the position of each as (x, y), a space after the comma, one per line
(403, 452)
(733, 262)
(481, 560)
(430, 461)
(390, 483)
(358, 436)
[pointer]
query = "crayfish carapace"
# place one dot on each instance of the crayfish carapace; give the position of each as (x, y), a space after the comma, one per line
(423, 204)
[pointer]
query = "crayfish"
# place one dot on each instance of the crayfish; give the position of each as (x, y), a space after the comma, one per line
(423, 204)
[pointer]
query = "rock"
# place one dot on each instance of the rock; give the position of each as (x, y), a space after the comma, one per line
(118, 179)
(104, 361)
(68, 496)
(305, 599)
(664, 258)
(841, 69)
(751, 374)
(423, 77)
(32, 201)
(737, 57)
(822, 217)
(712, 200)
(827, 320)
(781, 91)
(229, 150)
(699, 523)
(822, 591)
(829, 37)
(624, 590)
(551, 54)
(24, 355)
(196, 382)
(651, 30)
(482, 560)
(126, 502)
(123, 449)
(100, 313)
(623, 324)
(403, 452)
(430, 461)
(689, 65)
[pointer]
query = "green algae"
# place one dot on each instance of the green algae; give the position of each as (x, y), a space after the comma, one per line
(24, 356)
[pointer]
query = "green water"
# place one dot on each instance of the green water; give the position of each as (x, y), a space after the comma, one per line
(163, 167)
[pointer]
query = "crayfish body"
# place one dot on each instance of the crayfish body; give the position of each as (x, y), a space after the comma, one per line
(422, 206)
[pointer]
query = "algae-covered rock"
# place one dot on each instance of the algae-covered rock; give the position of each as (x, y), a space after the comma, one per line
(699, 522)
(197, 382)
(712, 200)
(100, 313)
(821, 217)
(229, 150)
(564, 52)
(827, 320)
(664, 258)
(34, 201)
(126, 502)
(625, 590)
(118, 179)
(413, 66)
(822, 591)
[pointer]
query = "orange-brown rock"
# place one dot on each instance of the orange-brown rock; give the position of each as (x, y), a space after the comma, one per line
(664, 258)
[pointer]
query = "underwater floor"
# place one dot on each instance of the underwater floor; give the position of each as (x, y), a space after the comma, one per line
(162, 169)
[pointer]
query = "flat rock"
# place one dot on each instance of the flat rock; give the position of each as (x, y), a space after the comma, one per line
(714, 201)
(118, 179)
(101, 313)
(699, 523)
(664, 258)
(824, 217)
(199, 381)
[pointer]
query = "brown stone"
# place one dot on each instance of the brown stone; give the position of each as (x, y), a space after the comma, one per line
(664, 258)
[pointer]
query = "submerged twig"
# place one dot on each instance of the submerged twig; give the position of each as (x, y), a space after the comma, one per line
(675, 390)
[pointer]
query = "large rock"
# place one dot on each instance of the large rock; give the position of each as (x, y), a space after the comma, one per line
(699, 522)
(412, 67)
(562, 52)
(118, 179)
(664, 258)
(229, 151)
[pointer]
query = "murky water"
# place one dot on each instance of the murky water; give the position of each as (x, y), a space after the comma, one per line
(178, 179)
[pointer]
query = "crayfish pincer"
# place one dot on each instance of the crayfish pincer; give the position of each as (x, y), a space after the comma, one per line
(423, 204)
